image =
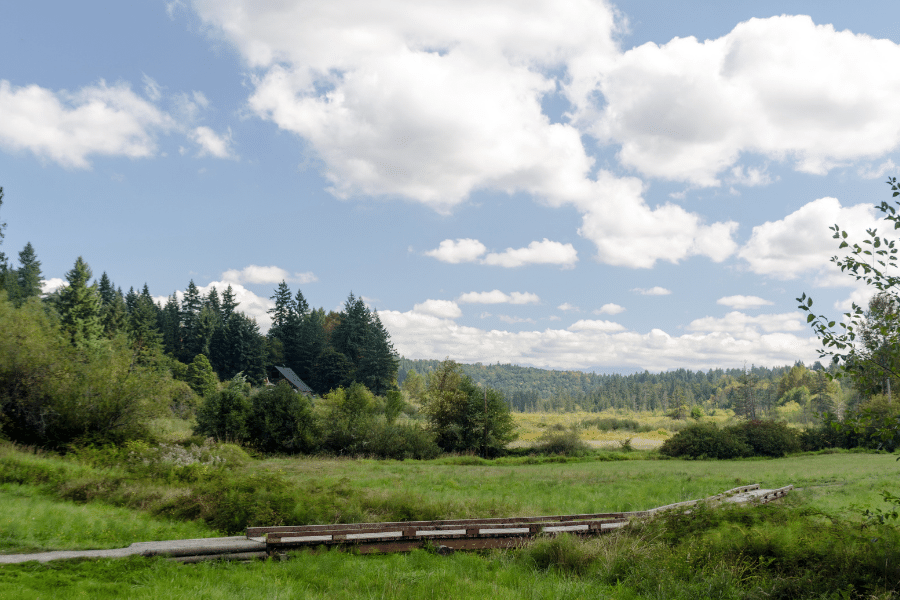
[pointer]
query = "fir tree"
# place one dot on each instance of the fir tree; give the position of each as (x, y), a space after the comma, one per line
(79, 306)
(28, 276)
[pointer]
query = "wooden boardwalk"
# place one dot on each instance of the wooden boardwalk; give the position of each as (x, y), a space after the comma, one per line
(445, 536)
(474, 534)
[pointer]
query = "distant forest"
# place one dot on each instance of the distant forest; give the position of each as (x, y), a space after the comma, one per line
(529, 389)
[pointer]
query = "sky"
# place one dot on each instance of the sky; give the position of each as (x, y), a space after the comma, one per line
(568, 185)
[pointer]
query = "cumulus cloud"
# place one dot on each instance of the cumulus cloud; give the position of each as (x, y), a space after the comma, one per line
(212, 143)
(417, 335)
(429, 102)
(422, 100)
(594, 325)
(48, 286)
(446, 309)
(537, 253)
(654, 291)
(737, 322)
(273, 274)
(802, 241)
(743, 302)
(609, 309)
(498, 297)
(69, 127)
(565, 306)
(782, 87)
(458, 251)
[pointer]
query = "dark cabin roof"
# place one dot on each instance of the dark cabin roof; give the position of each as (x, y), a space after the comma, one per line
(295, 381)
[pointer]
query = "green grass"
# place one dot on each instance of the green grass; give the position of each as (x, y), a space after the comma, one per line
(32, 522)
(812, 546)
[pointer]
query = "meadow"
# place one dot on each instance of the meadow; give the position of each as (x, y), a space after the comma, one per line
(814, 544)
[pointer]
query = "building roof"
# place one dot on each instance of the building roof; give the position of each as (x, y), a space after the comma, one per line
(295, 381)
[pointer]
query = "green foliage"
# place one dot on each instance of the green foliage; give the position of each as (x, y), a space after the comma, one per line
(346, 415)
(79, 307)
(281, 420)
(704, 440)
(750, 438)
(465, 418)
(53, 394)
(560, 440)
(201, 378)
(224, 415)
(767, 438)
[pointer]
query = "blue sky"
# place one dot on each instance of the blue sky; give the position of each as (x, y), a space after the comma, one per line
(560, 184)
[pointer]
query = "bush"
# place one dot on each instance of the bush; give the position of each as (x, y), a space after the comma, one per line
(224, 416)
(559, 440)
(402, 440)
(767, 438)
(281, 420)
(705, 440)
(53, 394)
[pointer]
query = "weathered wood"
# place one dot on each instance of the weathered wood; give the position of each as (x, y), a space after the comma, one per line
(470, 534)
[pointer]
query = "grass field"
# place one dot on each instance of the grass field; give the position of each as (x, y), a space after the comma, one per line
(753, 553)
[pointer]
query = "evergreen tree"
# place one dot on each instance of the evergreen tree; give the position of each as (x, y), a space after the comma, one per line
(79, 306)
(143, 323)
(28, 276)
(283, 313)
(170, 326)
(201, 378)
(191, 304)
(114, 315)
(106, 289)
(229, 304)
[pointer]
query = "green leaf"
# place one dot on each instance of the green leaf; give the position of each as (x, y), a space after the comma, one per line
(810, 318)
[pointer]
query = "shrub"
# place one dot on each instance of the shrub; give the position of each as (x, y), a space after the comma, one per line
(767, 438)
(705, 440)
(559, 440)
(224, 416)
(281, 420)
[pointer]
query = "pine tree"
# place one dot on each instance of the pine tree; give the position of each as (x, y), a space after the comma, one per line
(28, 276)
(191, 304)
(170, 326)
(4, 267)
(229, 304)
(143, 323)
(80, 306)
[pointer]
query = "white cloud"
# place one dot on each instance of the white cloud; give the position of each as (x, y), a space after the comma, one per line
(537, 253)
(446, 309)
(212, 143)
(422, 99)
(48, 286)
(458, 251)
(514, 320)
(68, 127)
(871, 172)
(750, 176)
(609, 309)
(426, 336)
(782, 87)
(802, 241)
(565, 306)
(627, 232)
(737, 322)
(498, 297)
(654, 291)
(594, 325)
(425, 101)
(743, 302)
(273, 274)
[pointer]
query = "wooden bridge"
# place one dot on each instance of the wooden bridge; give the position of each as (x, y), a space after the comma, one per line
(473, 534)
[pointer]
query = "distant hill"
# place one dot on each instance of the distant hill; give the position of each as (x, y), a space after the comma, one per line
(531, 389)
